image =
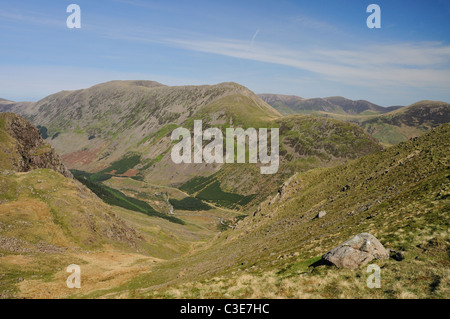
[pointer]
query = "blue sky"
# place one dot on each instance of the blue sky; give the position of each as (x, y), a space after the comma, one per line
(304, 48)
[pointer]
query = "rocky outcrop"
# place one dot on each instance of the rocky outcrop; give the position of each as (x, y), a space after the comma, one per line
(27, 147)
(356, 252)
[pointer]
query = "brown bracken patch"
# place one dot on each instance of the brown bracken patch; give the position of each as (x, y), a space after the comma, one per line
(83, 157)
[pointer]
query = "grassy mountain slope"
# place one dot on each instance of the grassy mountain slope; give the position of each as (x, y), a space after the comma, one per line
(48, 221)
(57, 212)
(306, 142)
(400, 195)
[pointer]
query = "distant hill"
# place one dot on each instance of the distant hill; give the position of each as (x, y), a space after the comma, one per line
(423, 113)
(291, 104)
(123, 128)
(93, 127)
(407, 122)
(14, 107)
(390, 125)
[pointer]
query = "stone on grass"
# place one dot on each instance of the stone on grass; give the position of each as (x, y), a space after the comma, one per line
(355, 252)
(321, 214)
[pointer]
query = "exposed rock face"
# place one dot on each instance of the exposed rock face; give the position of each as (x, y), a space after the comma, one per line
(357, 251)
(28, 150)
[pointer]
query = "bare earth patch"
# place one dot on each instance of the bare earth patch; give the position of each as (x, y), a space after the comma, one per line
(83, 157)
(130, 173)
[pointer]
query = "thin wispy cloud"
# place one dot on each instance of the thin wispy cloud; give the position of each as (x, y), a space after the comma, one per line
(401, 64)
(433, 54)
(394, 64)
(254, 37)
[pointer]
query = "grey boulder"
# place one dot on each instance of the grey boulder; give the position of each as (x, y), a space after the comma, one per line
(357, 251)
(321, 214)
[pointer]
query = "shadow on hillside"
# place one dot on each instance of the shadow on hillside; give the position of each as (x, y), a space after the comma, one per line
(321, 262)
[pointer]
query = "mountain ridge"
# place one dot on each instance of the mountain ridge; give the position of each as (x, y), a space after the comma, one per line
(389, 126)
(292, 104)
